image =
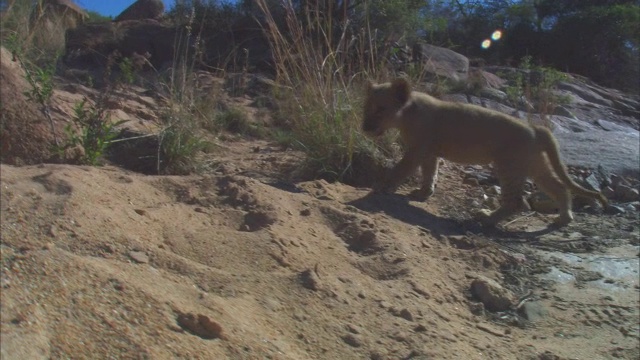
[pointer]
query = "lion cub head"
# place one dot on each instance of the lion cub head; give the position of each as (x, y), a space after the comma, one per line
(381, 106)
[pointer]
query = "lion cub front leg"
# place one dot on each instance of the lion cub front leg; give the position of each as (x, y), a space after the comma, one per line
(398, 173)
(429, 177)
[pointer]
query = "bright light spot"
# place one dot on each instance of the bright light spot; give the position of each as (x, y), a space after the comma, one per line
(486, 44)
(496, 35)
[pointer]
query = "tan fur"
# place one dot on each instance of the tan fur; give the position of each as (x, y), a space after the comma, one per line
(469, 134)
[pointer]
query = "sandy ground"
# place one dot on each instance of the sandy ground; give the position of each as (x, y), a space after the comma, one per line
(103, 263)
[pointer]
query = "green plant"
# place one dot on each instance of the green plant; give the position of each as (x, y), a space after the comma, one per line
(178, 146)
(127, 70)
(233, 120)
(40, 80)
(532, 86)
(96, 131)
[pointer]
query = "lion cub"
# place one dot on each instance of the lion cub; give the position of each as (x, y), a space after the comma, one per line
(469, 134)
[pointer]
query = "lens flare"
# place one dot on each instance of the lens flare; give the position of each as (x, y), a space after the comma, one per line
(496, 35)
(486, 44)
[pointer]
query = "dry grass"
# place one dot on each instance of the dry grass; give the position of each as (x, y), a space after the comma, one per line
(321, 75)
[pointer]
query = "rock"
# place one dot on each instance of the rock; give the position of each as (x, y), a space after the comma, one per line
(441, 62)
(90, 45)
(470, 180)
(626, 193)
(51, 14)
(139, 257)
(142, 9)
(26, 136)
(491, 294)
(310, 279)
(618, 152)
(614, 210)
(592, 183)
(494, 190)
(353, 340)
(259, 219)
(476, 308)
(542, 203)
(533, 311)
(406, 314)
(200, 325)
(608, 192)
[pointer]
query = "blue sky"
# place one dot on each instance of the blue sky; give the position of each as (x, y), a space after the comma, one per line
(112, 7)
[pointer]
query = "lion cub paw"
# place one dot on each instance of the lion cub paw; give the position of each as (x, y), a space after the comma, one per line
(563, 220)
(420, 194)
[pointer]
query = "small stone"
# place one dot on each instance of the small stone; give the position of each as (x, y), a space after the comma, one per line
(305, 212)
(533, 311)
(139, 257)
(140, 212)
(53, 231)
(353, 340)
(541, 203)
(310, 280)
(491, 294)
(420, 328)
(406, 314)
(494, 190)
(608, 192)
(626, 193)
(200, 325)
(354, 329)
(477, 308)
(592, 183)
(471, 181)
(614, 210)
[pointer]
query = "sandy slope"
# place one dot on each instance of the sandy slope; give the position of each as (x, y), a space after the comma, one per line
(102, 263)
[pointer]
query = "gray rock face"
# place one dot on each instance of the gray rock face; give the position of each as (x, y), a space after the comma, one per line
(441, 61)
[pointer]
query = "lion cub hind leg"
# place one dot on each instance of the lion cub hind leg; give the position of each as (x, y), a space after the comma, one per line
(429, 167)
(551, 185)
(511, 201)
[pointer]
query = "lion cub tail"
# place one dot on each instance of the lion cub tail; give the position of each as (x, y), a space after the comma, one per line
(548, 144)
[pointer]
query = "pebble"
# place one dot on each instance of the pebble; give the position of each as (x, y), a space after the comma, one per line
(353, 340)
(491, 294)
(139, 257)
(626, 193)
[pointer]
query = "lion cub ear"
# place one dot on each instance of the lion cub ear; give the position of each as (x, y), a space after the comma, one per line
(401, 89)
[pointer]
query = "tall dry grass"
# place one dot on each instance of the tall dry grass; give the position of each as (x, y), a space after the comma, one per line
(321, 69)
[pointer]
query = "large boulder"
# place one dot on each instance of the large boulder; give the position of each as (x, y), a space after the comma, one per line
(142, 9)
(26, 136)
(53, 10)
(441, 62)
(90, 45)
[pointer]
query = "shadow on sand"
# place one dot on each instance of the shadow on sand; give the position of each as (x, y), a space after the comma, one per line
(399, 207)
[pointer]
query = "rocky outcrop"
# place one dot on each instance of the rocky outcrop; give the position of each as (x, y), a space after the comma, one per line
(26, 136)
(142, 9)
(91, 44)
(442, 62)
